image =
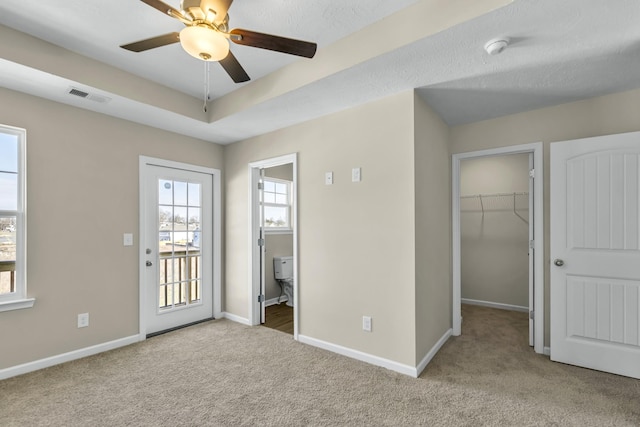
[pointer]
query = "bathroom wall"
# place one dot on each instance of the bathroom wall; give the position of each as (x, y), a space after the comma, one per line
(277, 244)
(494, 245)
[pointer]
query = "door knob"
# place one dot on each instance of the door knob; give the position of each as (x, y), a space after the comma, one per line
(149, 263)
(558, 262)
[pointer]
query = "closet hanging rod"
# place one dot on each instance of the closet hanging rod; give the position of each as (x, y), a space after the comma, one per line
(471, 196)
(496, 202)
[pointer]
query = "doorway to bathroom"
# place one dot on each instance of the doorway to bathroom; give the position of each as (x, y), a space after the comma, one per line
(498, 237)
(273, 239)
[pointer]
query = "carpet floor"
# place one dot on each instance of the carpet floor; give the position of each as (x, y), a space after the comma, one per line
(222, 373)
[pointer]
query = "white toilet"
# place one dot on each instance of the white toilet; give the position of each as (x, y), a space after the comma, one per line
(283, 270)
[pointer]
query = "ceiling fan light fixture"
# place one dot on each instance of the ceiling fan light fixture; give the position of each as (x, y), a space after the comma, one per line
(205, 43)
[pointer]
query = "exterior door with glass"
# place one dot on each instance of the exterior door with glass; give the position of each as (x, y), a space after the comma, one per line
(178, 284)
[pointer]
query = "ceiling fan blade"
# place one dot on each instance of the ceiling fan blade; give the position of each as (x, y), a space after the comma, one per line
(279, 44)
(234, 69)
(220, 7)
(162, 7)
(152, 43)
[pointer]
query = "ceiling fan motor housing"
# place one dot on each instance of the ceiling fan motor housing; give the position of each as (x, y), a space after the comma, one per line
(202, 11)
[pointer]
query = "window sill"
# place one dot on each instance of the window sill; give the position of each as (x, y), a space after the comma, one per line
(17, 304)
(278, 231)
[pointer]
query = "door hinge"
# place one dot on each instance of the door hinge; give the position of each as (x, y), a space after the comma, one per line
(531, 315)
(259, 186)
(532, 173)
(532, 244)
(260, 298)
(260, 242)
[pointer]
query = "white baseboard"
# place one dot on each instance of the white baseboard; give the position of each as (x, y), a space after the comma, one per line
(434, 350)
(494, 305)
(236, 319)
(67, 357)
(547, 351)
(359, 355)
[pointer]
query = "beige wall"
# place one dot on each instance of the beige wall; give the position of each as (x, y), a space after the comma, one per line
(82, 196)
(611, 114)
(495, 245)
(433, 232)
(356, 244)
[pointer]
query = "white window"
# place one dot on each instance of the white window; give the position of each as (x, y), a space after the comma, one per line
(277, 204)
(13, 283)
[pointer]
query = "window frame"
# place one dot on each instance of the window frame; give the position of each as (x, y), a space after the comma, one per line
(287, 228)
(18, 299)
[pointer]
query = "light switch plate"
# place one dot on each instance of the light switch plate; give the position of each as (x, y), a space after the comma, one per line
(328, 178)
(83, 320)
(355, 175)
(127, 239)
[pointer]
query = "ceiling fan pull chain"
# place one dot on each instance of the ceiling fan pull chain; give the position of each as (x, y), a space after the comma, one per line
(206, 85)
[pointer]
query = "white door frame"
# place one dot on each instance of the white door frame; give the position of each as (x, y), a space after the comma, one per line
(538, 214)
(254, 230)
(217, 233)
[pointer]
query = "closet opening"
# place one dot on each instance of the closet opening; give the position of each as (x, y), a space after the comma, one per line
(497, 242)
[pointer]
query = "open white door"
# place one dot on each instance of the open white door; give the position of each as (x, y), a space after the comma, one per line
(532, 253)
(262, 247)
(595, 253)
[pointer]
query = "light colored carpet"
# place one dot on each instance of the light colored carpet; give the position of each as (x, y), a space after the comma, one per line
(221, 373)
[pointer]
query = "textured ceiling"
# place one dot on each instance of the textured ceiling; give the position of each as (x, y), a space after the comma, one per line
(97, 28)
(559, 52)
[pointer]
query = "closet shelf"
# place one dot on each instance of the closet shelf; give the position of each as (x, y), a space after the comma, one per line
(496, 202)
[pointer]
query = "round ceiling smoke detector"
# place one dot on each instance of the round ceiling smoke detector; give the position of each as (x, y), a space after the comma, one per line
(496, 46)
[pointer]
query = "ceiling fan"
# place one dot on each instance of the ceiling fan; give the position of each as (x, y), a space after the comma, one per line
(206, 36)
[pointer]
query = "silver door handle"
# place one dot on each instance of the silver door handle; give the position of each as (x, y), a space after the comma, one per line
(149, 263)
(558, 262)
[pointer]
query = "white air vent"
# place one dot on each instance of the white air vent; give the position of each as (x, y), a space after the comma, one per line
(82, 94)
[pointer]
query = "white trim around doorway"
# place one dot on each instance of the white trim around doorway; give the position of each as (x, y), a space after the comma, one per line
(254, 254)
(538, 198)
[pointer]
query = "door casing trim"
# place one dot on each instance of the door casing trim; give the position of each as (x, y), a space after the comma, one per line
(538, 196)
(254, 255)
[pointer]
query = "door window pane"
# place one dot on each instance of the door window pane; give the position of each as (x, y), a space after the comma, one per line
(165, 192)
(179, 193)
(179, 219)
(194, 218)
(194, 194)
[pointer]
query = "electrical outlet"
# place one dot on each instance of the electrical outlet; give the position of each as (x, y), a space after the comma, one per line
(328, 178)
(83, 320)
(366, 323)
(127, 239)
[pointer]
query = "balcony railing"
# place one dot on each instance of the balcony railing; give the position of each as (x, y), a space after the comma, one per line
(179, 278)
(7, 276)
